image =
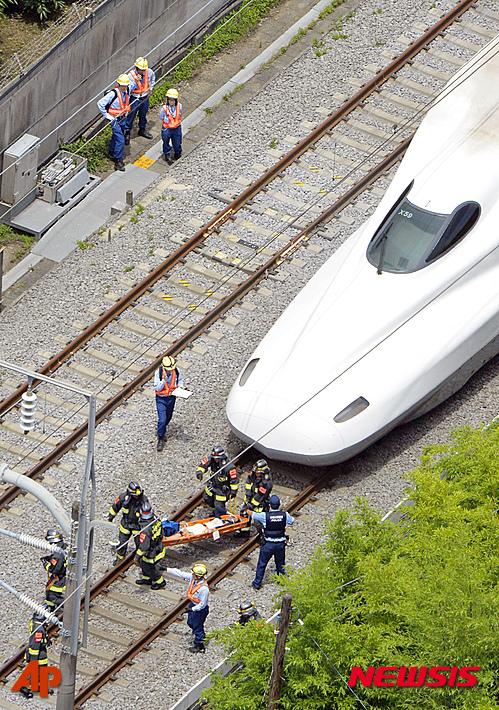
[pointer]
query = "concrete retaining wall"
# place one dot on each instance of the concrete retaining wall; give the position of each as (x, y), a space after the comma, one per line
(76, 71)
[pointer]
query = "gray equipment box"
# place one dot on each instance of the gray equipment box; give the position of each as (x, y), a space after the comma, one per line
(20, 163)
(62, 178)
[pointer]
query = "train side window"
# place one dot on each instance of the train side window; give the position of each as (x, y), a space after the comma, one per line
(462, 221)
(248, 370)
(351, 411)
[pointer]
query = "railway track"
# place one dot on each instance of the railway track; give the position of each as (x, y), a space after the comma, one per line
(331, 145)
(117, 351)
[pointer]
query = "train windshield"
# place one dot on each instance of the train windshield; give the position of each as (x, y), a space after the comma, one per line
(410, 237)
(404, 239)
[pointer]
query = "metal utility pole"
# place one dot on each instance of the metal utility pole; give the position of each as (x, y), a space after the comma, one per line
(279, 650)
(67, 663)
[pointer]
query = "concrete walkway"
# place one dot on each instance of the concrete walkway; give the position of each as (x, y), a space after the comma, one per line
(95, 209)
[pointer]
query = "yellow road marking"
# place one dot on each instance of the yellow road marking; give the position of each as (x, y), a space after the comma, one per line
(144, 162)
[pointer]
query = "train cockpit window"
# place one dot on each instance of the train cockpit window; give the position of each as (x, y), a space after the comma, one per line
(403, 240)
(247, 371)
(462, 220)
(351, 411)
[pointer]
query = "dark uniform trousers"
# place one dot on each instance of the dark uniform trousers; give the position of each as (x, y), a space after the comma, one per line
(195, 621)
(222, 486)
(37, 644)
(130, 507)
(151, 551)
(275, 527)
(56, 569)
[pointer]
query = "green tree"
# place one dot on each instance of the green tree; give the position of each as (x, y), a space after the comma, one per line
(419, 592)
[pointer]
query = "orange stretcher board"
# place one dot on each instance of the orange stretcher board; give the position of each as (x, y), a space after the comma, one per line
(214, 528)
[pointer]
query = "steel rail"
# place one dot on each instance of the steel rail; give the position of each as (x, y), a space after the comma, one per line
(109, 577)
(172, 615)
(124, 303)
(131, 387)
(115, 572)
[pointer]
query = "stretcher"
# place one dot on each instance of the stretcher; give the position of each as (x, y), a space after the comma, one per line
(214, 528)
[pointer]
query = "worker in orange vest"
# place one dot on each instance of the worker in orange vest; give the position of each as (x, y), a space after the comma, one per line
(142, 83)
(171, 116)
(115, 106)
(166, 379)
(198, 602)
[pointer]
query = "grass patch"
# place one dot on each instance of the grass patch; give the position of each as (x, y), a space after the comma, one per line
(11, 238)
(234, 27)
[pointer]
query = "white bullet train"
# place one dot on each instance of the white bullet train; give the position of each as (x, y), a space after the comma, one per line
(405, 311)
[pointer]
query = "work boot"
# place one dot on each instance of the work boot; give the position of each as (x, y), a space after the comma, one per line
(127, 137)
(176, 156)
(144, 133)
(143, 580)
(158, 585)
(119, 165)
(111, 156)
(168, 158)
(161, 443)
(26, 692)
(197, 647)
(116, 561)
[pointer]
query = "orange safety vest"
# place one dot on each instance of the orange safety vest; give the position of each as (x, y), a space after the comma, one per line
(193, 587)
(168, 388)
(124, 105)
(172, 122)
(141, 88)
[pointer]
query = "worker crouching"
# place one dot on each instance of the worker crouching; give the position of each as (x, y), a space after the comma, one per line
(221, 488)
(198, 609)
(258, 488)
(150, 550)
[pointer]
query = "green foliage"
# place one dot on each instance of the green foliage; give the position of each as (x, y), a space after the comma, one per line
(95, 150)
(85, 244)
(420, 592)
(7, 235)
(43, 9)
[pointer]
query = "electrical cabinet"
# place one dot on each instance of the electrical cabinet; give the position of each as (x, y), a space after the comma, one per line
(20, 163)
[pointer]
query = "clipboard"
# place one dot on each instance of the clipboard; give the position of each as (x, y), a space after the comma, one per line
(182, 393)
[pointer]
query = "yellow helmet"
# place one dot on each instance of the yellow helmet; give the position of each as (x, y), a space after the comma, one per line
(172, 94)
(168, 362)
(200, 569)
(123, 79)
(141, 63)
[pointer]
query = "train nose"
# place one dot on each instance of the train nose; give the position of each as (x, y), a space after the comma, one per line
(283, 431)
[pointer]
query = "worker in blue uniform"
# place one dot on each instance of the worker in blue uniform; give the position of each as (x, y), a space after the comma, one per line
(166, 380)
(198, 609)
(142, 80)
(171, 118)
(274, 533)
(115, 106)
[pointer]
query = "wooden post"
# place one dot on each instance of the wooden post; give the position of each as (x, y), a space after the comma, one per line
(279, 650)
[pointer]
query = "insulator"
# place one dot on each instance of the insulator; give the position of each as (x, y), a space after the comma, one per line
(40, 544)
(28, 407)
(40, 609)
